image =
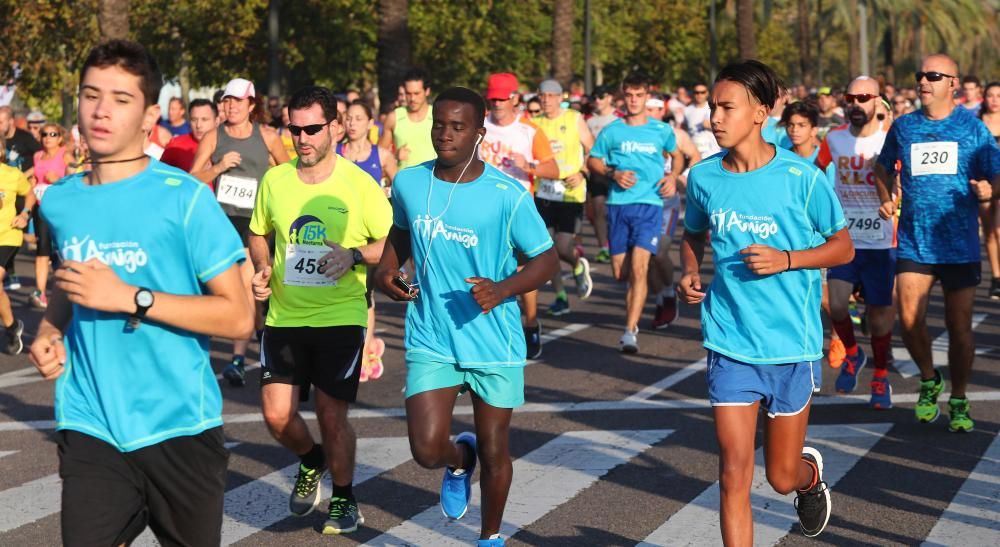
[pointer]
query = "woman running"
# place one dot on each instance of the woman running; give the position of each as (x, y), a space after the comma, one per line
(51, 164)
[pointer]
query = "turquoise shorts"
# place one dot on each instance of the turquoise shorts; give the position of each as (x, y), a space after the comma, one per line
(501, 387)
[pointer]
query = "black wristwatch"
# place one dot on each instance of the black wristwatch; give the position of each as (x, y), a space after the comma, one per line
(357, 257)
(143, 301)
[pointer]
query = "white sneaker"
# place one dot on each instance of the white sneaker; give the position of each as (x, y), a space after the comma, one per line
(630, 341)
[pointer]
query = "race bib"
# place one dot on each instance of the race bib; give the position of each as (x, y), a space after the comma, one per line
(40, 190)
(302, 264)
(933, 158)
(865, 224)
(551, 189)
(240, 192)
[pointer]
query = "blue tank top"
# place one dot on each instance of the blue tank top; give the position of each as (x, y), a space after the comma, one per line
(371, 165)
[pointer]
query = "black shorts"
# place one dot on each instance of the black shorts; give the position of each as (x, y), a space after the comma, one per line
(176, 487)
(326, 357)
(598, 185)
(42, 233)
(952, 276)
(562, 217)
(242, 225)
(7, 254)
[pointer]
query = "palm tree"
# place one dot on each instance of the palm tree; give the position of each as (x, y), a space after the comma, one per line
(746, 40)
(112, 19)
(804, 65)
(393, 55)
(562, 41)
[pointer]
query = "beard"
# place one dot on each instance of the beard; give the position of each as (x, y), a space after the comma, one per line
(858, 117)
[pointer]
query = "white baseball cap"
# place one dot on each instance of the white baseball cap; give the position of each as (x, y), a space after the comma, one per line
(239, 88)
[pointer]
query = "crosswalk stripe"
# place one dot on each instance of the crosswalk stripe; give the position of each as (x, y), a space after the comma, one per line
(543, 479)
(670, 381)
(904, 364)
(697, 523)
(29, 502)
(258, 504)
(974, 512)
(5, 453)
(19, 377)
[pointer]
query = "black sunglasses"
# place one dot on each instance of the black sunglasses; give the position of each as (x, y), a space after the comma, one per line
(51, 134)
(296, 130)
(932, 76)
(535, 110)
(700, 91)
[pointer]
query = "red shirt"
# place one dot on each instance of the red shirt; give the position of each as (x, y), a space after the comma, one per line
(180, 152)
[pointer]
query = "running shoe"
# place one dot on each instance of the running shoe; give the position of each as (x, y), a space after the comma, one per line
(235, 373)
(665, 314)
(578, 250)
(603, 257)
(559, 306)
(835, 356)
(813, 506)
(629, 342)
(848, 379)
(14, 342)
(960, 420)
(39, 300)
(12, 283)
(852, 310)
(377, 368)
(584, 284)
(533, 339)
(492, 542)
(307, 491)
(995, 289)
(927, 409)
(456, 486)
(364, 372)
(343, 518)
(881, 392)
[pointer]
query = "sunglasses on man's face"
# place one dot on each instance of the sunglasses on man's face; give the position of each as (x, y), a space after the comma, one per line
(52, 134)
(860, 98)
(700, 91)
(534, 111)
(932, 76)
(296, 130)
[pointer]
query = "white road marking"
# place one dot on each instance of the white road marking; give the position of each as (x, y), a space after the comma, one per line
(697, 523)
(543, 479)
(29, 502)
(974, 513)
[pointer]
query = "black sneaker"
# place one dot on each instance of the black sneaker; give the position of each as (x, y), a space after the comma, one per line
(533, 338)
(995, 289)
(14, 343)
(813, 506)
(307, 491)
(235, 373)
(344, 517)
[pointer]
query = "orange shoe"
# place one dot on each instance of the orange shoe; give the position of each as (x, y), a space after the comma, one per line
(837, 353)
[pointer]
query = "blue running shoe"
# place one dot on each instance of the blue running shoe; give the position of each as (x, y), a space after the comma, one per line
(560, 306)
(456, 488)
(492, 542)
(848, 379)
(881, 392)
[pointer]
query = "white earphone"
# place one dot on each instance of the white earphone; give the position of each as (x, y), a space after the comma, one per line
(479, 139)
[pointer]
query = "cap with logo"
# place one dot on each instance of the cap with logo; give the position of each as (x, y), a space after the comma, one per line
(239, 88)
(501, 86)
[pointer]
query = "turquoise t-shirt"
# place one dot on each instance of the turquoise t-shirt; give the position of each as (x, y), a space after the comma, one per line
(636, 148)
(159, 229)
(459, 231)
(786, 204)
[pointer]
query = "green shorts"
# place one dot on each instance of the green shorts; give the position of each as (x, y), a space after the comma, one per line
(501, 387)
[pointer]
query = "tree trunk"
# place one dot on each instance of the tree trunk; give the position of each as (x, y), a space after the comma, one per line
(746, 40)
(805, 72)
(853, 41)
(273, 59)
(112, 19)
(890, 60)
(393, 56)
(562, 41)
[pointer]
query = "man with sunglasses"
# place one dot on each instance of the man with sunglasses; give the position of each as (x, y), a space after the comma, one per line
(598, 186)
(848, 154)
(941, 149)
(520, 149)
(329, 219)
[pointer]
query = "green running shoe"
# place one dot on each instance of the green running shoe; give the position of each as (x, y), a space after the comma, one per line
(960, 420)
(927, 410)
(307, 491)
(344, 517)
(603, 257)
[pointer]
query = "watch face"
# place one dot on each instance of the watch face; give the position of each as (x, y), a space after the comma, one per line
(144, 299)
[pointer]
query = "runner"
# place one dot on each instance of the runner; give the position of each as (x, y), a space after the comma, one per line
(381, 165)
(234, 158)
(631, 152)
(180, 151)
(13, 183)
(943, 151)
(661, 274)
(408, 128)
(139, 431)
(598, 186)
(767, 209)
(972, 94)
(461, 324)
(50, 164)
(800, 120)
(847, 156)
(830, 114)
(329, 221)
(176, 122)
(519, 149)
(989, 113)
(560, 200)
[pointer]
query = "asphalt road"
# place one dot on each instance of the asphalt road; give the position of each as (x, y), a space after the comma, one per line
(610, 449)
